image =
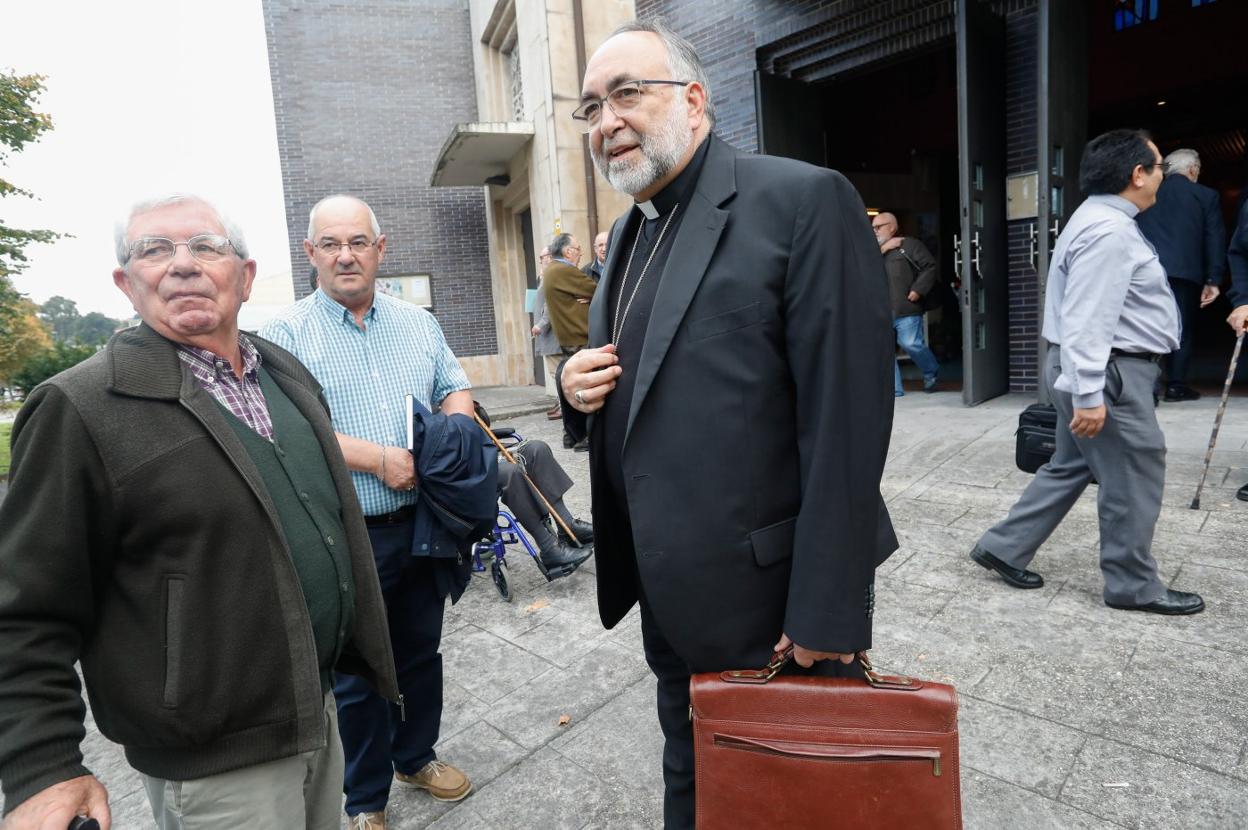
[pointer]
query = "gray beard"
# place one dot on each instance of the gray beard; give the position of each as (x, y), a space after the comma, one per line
(660, 152)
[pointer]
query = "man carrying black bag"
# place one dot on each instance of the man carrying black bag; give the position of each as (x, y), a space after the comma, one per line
(1109, 317)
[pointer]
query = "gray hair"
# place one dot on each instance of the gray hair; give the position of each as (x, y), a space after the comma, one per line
(372, 217)
(682, 59)
(1181, 161)
(557, 245)
(232, 231)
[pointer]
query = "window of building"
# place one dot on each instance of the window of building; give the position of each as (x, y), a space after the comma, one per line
(1128, 13)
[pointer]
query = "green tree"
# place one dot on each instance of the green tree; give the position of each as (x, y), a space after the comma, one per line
(27, 338)
(49, 362)
(95, 328)
(20, 124)
(61, 316)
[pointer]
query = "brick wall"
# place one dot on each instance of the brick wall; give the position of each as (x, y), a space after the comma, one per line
(365, 94)
(815, 39)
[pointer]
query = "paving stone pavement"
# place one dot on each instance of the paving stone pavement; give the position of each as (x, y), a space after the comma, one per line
(1072, 715)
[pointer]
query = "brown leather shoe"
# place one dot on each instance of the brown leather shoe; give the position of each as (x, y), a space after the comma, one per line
(443, 781)
(554, 414)
(367, 821)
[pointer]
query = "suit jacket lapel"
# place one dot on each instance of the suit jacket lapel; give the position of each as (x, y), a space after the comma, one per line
(691, 252)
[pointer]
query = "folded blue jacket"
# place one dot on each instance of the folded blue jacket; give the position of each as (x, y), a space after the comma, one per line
(457, 484)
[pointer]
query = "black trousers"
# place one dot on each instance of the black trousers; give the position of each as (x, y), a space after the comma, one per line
(672, 673)
(1187, 298)
(544, 470)
(575, 425)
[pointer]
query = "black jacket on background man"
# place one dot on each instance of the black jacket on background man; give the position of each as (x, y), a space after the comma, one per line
(759, 420)
(138, 537)
(1185, 226)
(910, 267)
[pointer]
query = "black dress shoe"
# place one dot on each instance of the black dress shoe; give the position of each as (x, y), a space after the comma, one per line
(584, 533)
(1016, 577)
(1173, 603)
(1242, 493)
(561, 560)
(1177, 394)
(582, 445)
(568, 441)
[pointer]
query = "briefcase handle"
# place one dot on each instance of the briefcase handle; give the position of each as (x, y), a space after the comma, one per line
(780, 658)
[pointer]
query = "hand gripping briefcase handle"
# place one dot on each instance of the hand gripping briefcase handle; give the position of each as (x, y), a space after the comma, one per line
(781, 658)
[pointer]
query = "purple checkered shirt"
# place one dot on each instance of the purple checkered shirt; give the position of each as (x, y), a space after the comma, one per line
(242, 397)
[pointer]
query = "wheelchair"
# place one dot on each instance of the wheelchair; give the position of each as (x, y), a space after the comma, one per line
(507, 531)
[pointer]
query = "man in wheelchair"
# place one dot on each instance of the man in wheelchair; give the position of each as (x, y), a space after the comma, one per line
(559, 553)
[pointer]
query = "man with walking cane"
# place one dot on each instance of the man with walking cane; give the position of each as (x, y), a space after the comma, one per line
(1237, 256)
(1109, 317)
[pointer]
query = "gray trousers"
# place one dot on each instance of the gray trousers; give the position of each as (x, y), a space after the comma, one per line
(1128, 460)
(300, 791)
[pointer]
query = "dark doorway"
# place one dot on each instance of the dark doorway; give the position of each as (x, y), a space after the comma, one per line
(1177, 70)
(892, 130)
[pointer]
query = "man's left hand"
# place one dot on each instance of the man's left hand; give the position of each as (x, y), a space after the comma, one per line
(1208, 294)
(914, 296)
(805, 657)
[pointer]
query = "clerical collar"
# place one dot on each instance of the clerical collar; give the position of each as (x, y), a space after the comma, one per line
(662, 202)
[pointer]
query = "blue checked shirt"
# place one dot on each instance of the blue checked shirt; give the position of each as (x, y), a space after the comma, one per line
(366, 373)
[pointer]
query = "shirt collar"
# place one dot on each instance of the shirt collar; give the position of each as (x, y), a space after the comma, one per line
(677, 189)
(1115, 201)
(565, 261)
(220, 367)
(338, 311)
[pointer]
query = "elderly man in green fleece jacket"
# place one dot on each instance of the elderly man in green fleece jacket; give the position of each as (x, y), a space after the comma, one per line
(180, 520)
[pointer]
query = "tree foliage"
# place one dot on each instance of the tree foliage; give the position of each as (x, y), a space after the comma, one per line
(20, 124)
(49, 362)
(27, 337)
(60, 315)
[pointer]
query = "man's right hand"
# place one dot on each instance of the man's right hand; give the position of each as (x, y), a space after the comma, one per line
(399, 471)
(1239, 319)
(1088, 422)
(55, 807)
(593, 373)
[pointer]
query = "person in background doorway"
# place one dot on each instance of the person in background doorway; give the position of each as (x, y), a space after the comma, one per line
(1185, 226)
(546, 343)
(911, 271)
(594, 269)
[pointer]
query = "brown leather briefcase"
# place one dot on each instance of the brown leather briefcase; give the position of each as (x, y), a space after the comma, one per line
(824, 752)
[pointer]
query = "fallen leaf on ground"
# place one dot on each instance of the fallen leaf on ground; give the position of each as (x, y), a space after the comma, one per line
(564, 720)
(537, 605)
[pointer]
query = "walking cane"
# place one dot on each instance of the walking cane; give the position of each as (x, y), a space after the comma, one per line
(1217, 421)
(549, 507)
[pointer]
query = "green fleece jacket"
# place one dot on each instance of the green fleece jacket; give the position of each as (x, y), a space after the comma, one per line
(138, 538)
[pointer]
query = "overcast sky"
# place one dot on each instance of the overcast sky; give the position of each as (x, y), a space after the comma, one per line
(146, 97)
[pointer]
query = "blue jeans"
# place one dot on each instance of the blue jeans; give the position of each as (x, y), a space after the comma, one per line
(376, 740)
(910, 337)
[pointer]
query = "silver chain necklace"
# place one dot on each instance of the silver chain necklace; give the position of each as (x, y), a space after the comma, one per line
(618, 324)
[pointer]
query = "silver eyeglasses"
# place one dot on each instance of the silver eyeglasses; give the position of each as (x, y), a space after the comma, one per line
(206, 247)
(331, 247)
(622, 99)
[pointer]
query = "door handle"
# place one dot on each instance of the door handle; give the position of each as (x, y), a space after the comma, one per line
(1033, 244)
(1053, 233)
(975, 249)
(957, 256)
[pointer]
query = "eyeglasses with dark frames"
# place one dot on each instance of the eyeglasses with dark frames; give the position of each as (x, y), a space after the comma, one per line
(624, 98)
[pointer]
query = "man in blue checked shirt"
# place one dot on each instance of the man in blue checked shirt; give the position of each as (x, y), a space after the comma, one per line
(369, 351)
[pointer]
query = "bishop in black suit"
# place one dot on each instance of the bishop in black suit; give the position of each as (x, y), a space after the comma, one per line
(739, 377)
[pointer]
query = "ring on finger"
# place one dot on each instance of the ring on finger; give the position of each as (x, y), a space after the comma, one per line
(579, 398)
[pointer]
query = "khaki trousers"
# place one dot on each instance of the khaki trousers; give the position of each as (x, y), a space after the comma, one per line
(301, 791)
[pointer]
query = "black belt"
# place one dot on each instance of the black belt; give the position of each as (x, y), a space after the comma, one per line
(397, 517)
(1149, 356)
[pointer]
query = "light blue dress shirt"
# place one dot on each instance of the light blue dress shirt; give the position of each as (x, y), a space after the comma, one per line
(1106, 290)
(366, 373)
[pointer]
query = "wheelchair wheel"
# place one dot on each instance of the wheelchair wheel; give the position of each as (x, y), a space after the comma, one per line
(498, 572)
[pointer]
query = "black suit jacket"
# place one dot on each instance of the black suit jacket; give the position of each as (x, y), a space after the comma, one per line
(1185, 226)
(759, 422)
